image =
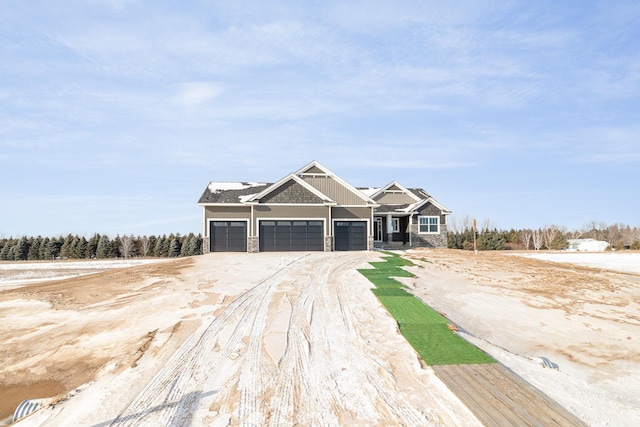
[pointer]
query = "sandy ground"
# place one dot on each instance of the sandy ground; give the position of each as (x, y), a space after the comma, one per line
(13, 275)
(221, 339)
(518, 308)
(297, 339)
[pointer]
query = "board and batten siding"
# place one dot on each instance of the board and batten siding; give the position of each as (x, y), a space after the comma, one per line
(395, 199)
(335, 190)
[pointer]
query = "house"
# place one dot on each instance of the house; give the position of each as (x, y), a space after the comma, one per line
(313, 209)
(586, 245)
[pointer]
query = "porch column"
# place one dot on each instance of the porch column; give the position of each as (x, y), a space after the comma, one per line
(389, 229)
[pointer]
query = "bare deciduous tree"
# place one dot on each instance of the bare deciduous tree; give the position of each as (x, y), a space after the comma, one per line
(144, 245)
(537, 238)
(525, 235)
(126, 244)
(595, 230)
(574, 234)
(549, 232)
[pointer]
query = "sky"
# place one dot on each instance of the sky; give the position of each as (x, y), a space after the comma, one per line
(116, 114)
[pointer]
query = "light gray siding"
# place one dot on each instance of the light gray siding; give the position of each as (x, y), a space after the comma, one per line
(335, 190)
(395, 199)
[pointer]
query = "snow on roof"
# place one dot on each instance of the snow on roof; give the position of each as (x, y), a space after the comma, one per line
(369, 191)
(247, 197)
(216, 187)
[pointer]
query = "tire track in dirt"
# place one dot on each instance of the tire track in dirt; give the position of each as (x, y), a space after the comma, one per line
(328, 373)
(170, 397)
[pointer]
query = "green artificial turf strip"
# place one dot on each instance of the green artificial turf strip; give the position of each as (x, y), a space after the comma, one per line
(437, 345)
(424, 328)
(411, 310)
(380, 279)
(391, 292)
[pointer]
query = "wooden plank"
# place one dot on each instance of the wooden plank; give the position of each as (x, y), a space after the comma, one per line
(485, 407)
(497, 396)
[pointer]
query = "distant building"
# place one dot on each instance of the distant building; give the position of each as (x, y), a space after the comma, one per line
(587, 245)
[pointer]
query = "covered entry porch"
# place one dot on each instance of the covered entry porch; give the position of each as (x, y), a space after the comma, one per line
(392, 230)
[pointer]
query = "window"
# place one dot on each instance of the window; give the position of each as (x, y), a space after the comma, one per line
(428, 224)
(395, 225)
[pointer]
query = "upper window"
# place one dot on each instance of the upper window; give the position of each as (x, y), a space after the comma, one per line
(429, 224)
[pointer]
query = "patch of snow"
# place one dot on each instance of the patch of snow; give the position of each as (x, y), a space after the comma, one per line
(369, 191)
(629, 262)
(216, 187)
(244, 199)
(17, 274)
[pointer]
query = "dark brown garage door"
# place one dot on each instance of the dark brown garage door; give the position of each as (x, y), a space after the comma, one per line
(228, 236)
(291, 236)
(350, 235)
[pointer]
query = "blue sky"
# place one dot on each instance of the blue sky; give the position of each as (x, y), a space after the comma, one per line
(115, 114)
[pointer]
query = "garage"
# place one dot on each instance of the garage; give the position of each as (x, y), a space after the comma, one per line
(294, 235)
(350, 235)
(228, 236)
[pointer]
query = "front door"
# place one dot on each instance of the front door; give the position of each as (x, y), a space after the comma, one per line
(377, 229)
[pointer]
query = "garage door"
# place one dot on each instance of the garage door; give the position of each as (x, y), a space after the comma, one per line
(228, 236)
(350, 235)
(291, 236)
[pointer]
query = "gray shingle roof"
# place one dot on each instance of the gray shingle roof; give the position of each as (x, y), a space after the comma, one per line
(231, 192)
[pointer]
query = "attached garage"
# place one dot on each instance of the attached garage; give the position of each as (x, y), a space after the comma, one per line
(291, 235)
(228, 236)
(350, 235)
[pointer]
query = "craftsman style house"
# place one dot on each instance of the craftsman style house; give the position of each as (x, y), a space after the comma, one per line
(312, 209)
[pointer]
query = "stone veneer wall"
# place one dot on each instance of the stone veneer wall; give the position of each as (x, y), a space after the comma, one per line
(429, 240)
(253, 244)
(328, 243)
(206, 247)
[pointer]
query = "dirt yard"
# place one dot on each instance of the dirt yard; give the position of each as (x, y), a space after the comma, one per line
(518, 308)
(295, 338)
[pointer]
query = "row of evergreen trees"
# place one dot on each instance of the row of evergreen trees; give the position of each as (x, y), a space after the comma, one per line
(99, 246)
(551, 237)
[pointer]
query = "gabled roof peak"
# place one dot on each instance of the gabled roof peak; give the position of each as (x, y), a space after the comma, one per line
(293, 177)
(314, 168)
(395, 186)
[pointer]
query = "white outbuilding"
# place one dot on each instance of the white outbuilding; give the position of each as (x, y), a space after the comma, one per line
(587, 245)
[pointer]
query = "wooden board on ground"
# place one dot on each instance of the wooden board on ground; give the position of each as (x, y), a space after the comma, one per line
(497, 396)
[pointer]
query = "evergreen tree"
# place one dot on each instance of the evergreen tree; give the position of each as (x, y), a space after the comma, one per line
(92, 246)
(114, 249)
(159, 245)
(167, 244)
(34, 248)
(4, 252)
(184, 244)
(21, 250)
(174, 247)
(42, 254)
(195, 246)
(152, 246)
(52, 251)
(104, 247)
(65, 249)
(80, 248)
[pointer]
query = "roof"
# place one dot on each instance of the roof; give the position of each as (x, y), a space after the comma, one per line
(252, 192)
(231, 192)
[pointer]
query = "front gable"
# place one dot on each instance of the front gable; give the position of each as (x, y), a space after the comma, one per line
(333, 186)
(395, 194)
(291, 192)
